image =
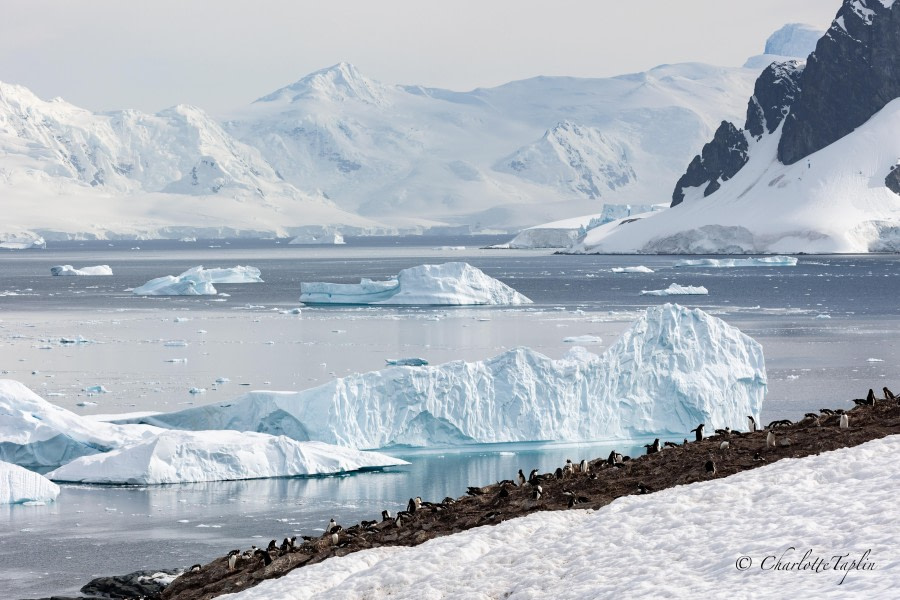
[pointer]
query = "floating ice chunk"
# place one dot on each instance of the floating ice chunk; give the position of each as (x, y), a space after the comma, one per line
(186, 456)
(77, 341)
(222, 380)
(823, 316)
(406, 362)
(95, 389)
(63, 270)
(182, 319)
(176, 360)
(672, 369)
(583, 339)
(454, 283)
(85, 403)
(175, 344)
(196, 390)
(21, 486)
(763, 261)
(197, 281)
(677, 290)
(874, 360)
(638, 269)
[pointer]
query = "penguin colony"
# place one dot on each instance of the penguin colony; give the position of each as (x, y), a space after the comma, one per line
(582, 484)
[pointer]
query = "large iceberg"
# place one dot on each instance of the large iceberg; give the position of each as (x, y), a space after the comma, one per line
(19, 485)
(674, 368)
(69, 270)
(454, 283)
(678, 290)
(762, 261)
(187, 456)
(197, 281)
(37, 434)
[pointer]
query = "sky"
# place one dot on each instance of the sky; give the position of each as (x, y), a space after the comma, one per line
(223, 54)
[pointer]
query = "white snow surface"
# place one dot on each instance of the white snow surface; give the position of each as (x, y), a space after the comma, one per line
(64, 270)
(186, 456)
(18, 485)
(197, 281)
(762, 261)
(677, 290)
(833, 201)
(454, 283)
(35, 433)
(672, 369)
(704, 529)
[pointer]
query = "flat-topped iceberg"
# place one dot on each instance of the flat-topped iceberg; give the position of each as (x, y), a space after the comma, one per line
(198, 281)
(674, 368)
(69, 270)
(763, 261)
(37, 434)
(455, 283)
(637, 269)
(19, 485)
(187, 456)
(678, 290)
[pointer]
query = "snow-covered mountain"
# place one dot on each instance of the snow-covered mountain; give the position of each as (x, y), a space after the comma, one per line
(813, 170)
(794, 40)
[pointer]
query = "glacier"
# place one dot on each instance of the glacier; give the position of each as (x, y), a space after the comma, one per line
(454, 283)
(762, 261)
(187, 456)
(69, 270)
(678, 290)
(18, 485)
(197, 281)
(674, 368)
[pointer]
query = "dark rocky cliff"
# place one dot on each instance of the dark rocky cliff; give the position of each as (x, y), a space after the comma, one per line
(720, 159)
(773, 95)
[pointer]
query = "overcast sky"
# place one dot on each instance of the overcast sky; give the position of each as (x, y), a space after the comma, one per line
(221, 54)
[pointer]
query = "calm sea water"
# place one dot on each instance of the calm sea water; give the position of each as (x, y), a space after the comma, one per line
(828, 326)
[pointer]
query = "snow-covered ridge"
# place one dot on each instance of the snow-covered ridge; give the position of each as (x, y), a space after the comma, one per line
(185, 456)
(454, 283)
(794, 499)
(18, 485)
(672, 369)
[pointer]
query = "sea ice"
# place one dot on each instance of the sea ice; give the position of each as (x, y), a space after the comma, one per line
(674, 368)
(406, 362)
(454, 283)
(677, 290)
(18, 485)
(638, 269)
(186, 456)
(197, 281)
(582, 339)
(763, 261)
(61, 270)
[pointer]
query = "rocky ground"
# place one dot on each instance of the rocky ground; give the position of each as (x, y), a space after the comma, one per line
(601, 484)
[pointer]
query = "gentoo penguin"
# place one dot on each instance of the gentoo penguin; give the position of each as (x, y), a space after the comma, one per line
(724, 446)
(751, 422)
(195, 568)
(888, 394)
(845, 422)
(870, 397)
(232, 559)
(652, 448)
(699, 431)
(770, 439)
(670, 445)
(685, 443)
(386, 515)
(521, 477)
(559, 474)
(332, 523)
(411, 506)
(643, 489)
(826, 411)
(533, 475)
(538, 490)
(758, 457)
(273, 545)
(710, 467)
(614, 457)
(583, 467)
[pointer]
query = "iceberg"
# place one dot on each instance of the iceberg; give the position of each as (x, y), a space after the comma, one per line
(18, 485)
(68, 270)
(638, 269)
(583, 339)
(406, 362)
(763, 261)
(197, 281)
(678, 290)
(674, 368)
(187, 456)
(37, 434)
(454, 283)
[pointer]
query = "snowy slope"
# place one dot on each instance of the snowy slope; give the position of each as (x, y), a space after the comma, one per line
(683, 542)
(835, 200)
(186, 456)
(66, 170)
(674, 368)
(523, 153)
(18, 485)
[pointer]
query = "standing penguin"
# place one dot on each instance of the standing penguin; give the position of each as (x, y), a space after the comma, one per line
(710, 467)
(845, 422)
(752, 423)
(521, 477)
(870, 397)
(652, 448)
(699, 431)
(770, 439)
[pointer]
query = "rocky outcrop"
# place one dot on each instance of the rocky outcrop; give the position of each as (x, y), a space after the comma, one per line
(892, 181)
(719, 160)
(852, 75)
(775, 91)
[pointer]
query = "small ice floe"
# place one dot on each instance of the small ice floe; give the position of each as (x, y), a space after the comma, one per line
(874, 360)
(176, 360)
(182, 319)
(175, 344)
(69, 270)
(823, 316)
(85, 403)
(677, 290)
(406, 362)
(75, 341)
(222, 380)
(293, 311)
(638, 269)
(583, 339)
(95, 389)
(196, 390)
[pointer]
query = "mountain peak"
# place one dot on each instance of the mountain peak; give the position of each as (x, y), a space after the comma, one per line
(797, 40)
(338, 83)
